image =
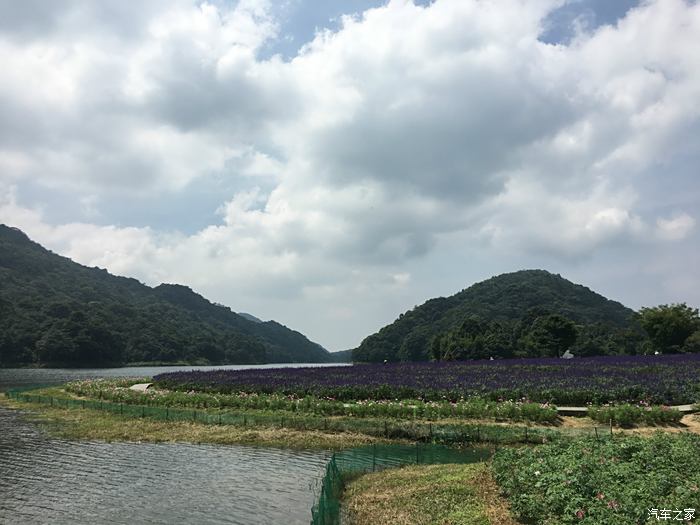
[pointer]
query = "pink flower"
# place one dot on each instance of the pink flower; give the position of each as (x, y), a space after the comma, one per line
(612, 504)
(580, 513)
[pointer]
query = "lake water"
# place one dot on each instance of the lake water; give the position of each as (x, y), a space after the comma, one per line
(46, 480)
(22, 377)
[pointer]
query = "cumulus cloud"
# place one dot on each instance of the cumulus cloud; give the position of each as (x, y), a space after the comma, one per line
(407, 127)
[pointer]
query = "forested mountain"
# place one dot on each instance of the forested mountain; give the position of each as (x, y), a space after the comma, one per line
(344, 356)
(55, 311)
(250, 317)
(525, 313)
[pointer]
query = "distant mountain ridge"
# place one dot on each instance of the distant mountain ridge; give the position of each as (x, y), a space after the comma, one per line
(250, 317)
(506, 298)
(55, 311)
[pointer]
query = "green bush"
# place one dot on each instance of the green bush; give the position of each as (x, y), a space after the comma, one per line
(627, 415)
(591, 482)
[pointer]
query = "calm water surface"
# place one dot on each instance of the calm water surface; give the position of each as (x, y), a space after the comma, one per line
(45, 480)
(21, 377)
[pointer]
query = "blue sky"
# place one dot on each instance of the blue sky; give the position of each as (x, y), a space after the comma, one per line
(332, 164)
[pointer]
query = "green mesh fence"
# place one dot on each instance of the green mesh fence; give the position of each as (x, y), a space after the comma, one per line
(417, 431)
(349, 463)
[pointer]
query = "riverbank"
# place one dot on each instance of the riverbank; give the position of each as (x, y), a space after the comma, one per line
(139, 417)
(89, 424)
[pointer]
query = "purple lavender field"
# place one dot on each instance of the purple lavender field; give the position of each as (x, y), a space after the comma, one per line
(669, 379)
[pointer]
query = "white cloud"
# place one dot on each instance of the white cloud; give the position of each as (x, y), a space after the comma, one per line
(355, 160)
(676, 228)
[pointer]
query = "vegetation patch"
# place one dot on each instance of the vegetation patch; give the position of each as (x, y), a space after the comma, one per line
(439, 494)
(471, 408)
(667, 379)
(627, 415)
(99, 425)
(447, 432)
(601, 482)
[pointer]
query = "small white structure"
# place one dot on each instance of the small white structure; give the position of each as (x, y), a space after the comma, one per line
(567, 355)
(140, 387)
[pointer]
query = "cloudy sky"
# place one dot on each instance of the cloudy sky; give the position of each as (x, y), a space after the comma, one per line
(332, 164)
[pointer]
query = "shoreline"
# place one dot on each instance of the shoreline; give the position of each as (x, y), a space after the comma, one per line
(90, 424)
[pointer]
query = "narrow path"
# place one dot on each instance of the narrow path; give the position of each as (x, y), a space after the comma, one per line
(582, 411)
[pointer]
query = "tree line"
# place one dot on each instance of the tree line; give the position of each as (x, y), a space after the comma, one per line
(665, 329)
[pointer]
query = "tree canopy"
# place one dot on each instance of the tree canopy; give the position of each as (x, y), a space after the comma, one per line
(672, 328)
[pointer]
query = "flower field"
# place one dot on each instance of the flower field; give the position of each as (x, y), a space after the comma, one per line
(670, 379)
(117, 391)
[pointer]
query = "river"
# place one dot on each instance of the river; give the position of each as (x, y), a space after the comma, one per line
(46, 480)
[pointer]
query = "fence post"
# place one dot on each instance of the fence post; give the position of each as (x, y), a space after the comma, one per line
(611, 429)
(596, 433)
(167, 413)
(143, 411)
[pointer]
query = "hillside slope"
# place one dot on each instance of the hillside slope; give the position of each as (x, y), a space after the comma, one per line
(516, 297)
(55, 311)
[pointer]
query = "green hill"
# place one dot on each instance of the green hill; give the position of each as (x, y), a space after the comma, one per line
(500, 316)
(54, 311)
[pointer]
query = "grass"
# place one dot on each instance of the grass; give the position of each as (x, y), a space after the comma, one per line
(433, 494)
(87, 424)
(447, 432)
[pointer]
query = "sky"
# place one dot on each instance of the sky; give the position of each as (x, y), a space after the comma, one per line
(331, 165)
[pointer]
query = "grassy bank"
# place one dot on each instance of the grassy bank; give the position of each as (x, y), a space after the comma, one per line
(87, 424)
(448, 431)
(432, 494)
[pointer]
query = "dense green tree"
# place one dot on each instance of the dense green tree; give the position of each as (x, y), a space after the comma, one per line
(692, 344)
(669, 326)
(551, 335)
(415, 346)
(56, 346)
